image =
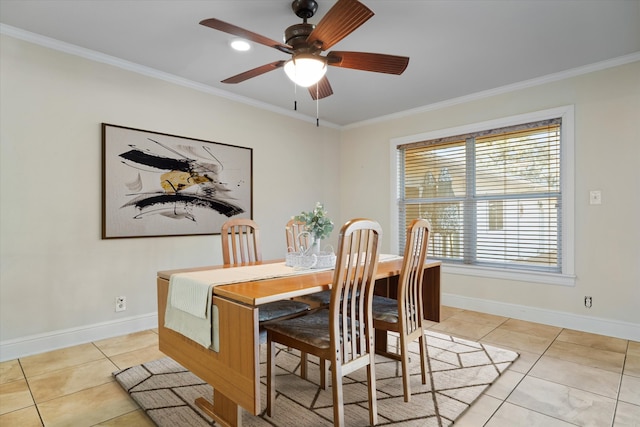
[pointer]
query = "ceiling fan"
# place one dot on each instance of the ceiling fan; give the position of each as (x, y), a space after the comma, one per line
(305, 42)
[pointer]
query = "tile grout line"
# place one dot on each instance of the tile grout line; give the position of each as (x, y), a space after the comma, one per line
(503, 401)
(33, 398)
(617, 402)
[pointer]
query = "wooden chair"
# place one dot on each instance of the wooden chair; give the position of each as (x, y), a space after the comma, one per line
(240, 245)
(294, 244)
(343, 333)
(240, 241)
(404, 315)
(296, 241)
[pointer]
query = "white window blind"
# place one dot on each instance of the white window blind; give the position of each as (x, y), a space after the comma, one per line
(493, 197)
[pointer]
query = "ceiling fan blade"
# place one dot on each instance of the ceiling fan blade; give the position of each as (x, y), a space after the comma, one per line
(225, 27)
(254, 72)
(376, 62)
(340, 21)
(320, 90)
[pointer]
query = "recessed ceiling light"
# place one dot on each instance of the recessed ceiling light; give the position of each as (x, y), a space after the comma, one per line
(240, 44)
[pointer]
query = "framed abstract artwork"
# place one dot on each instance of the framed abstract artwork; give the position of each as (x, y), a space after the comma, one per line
(155, 184)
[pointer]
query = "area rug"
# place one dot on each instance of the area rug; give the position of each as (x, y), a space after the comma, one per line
(459, 371)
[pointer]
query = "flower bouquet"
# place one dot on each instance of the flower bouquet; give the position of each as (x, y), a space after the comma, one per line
(319, 226)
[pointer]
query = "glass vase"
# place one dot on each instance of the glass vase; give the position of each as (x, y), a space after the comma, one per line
(314, 248)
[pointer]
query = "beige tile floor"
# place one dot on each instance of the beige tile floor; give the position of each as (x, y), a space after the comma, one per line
(562, 378)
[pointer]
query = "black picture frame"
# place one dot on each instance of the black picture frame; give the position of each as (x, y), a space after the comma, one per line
(156, 184)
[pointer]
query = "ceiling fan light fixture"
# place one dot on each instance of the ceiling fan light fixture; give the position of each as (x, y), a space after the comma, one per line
(240, 45)
(305, 69)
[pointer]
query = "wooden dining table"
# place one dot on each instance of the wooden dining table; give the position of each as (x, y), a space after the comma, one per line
(234, 370)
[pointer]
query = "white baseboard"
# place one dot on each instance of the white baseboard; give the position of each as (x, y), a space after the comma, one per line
(595, 325)
(40, 343)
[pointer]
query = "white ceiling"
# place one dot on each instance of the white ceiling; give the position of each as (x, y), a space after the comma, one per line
(457, 47)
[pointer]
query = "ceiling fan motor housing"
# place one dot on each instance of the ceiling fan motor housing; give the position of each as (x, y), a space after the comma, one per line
(304, 9)
(296, 37)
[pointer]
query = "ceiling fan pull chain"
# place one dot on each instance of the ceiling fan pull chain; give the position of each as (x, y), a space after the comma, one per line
(317, 105)
(295, 97)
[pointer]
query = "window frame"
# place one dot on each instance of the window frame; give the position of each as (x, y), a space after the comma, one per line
(567, 187)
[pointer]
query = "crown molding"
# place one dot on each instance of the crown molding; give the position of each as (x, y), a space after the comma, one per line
(92, 55)
(597, 66)
(151, 72)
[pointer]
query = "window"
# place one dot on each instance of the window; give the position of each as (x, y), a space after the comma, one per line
(495, 195)
(496, 215)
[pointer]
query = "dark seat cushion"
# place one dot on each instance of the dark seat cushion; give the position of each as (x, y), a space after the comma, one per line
(318, 298)
(385, 309)
(321, 298)
(311, 329)
(277, 309)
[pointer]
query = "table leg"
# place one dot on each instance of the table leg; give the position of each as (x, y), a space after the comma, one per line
(223, 411)
(431, 293)
(381, 341)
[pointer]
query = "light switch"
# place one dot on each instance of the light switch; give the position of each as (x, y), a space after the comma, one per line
(595, 197)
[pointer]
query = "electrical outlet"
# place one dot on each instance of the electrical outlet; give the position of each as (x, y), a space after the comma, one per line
(121, 303)
(588, 301)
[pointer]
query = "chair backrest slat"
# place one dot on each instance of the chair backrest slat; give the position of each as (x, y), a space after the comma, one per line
(297, 239)
(352, 289)
(411, 275)
(240, 241)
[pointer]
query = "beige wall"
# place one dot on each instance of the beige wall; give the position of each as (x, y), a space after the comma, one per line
(58, 279)
(607, 237)
(57, 274)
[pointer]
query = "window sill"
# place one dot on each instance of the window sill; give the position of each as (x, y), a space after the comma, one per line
(517, 275)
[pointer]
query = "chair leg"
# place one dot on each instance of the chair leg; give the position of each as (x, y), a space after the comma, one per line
(423, 356)
(303, 365)
(271, 375)
(323, 374)
(404, 355)
(338, 399)
(371, 382)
